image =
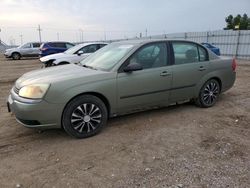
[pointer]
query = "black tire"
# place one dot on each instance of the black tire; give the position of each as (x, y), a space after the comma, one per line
(209, 94)
(84, 116)
(16, 56)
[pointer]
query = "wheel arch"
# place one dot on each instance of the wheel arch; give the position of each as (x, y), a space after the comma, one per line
(218, 80)
(16, 53)
(96, 94)
(203, 81)
(63, 63)
(60, 62)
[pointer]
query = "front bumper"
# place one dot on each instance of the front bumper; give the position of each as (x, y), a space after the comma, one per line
(39, 114)
(7, 55)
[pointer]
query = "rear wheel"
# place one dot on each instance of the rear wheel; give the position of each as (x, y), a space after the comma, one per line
(209, 94)
(84, 116)
(16, 56)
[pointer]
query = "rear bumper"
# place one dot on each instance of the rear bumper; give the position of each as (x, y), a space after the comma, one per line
(40, 114)
(229, 82)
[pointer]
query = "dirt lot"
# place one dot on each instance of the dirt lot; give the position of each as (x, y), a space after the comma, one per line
(179, 146)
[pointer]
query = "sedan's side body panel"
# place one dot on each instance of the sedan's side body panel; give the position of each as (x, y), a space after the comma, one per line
(222, 71)
(186, 78)
(141, 89)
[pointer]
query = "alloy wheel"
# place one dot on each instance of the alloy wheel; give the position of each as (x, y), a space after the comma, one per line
(210, 93)
(86, 118)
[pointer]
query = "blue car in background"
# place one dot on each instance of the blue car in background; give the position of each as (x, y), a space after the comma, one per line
(49, 48)
(214, 49)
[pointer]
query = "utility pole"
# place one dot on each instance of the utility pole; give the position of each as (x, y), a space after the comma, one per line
(21, 37)
(81, 35)
(57, 36)
(105, 36)
(39, 30)
(146, 32)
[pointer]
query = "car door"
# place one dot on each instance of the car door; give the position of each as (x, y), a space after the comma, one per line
(190, 65)
(147, 87)
(26, 50)
(58, 47)
(35, 49)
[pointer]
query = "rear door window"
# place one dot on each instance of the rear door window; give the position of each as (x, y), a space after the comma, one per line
(185, 52)
(202, 54)
(188, 52)
(58, 45)
(36, 45)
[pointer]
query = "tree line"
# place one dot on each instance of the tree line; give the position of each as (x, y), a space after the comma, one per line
(238, 22)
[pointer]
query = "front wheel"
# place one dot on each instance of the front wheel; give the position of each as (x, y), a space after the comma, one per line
(84, 116)
(209, 94)
(16, 56)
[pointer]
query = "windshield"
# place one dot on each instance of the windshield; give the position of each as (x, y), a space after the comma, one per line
(73, 49)
(107, 57)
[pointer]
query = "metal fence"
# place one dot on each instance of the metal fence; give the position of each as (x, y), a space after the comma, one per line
(231, 43)
(4, 46)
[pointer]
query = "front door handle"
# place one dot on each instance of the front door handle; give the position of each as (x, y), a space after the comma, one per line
(165, 73)
(202, 68)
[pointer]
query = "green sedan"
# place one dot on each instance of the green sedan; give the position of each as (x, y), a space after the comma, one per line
(121, 78)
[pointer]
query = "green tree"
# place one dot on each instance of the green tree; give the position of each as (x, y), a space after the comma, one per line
(238, 22)
(244, 22)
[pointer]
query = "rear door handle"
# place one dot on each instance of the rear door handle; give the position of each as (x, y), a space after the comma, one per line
(202, 68)
(165, 73)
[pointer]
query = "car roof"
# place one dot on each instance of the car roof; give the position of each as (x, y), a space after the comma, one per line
(58, 42)
(89, 43)
(146, 41)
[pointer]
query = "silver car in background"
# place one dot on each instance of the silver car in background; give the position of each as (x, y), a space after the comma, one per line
(30, 49)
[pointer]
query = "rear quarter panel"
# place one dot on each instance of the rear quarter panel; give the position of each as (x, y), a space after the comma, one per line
(220, 69)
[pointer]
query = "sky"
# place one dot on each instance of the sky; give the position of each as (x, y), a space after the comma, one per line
(92, 20)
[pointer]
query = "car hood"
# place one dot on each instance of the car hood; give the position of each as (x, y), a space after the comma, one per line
(59, 74)
(11, 49)
(55, 56)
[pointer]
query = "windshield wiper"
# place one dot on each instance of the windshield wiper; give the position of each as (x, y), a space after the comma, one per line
(90, 67)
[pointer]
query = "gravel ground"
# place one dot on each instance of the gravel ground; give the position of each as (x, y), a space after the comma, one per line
(178, 146)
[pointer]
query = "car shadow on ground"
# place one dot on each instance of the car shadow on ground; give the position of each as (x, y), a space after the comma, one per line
(120, 120)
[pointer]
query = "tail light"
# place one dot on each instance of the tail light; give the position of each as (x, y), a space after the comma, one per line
(43, 49)
(234, 64)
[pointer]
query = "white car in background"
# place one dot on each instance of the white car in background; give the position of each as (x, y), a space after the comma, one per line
(72, 55)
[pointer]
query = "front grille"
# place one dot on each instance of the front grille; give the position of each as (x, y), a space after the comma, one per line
(16, 90)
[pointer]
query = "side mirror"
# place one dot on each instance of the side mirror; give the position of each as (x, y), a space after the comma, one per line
(133, 67)
(80, 52)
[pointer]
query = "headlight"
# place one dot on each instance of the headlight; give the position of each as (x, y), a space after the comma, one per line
(34, 91)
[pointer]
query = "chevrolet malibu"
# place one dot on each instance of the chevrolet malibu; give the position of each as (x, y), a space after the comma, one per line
(121, 78)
